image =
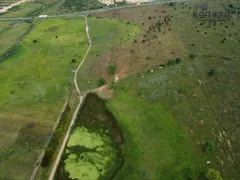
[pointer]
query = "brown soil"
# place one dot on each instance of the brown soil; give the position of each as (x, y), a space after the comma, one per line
(154, 46)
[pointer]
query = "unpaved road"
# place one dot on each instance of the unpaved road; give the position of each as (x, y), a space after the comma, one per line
(81, 97)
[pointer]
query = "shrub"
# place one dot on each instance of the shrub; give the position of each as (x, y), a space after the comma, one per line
(211, 72)
(47, 157)
(9, 52)
(73, 60)
(191, 56)
(112, 68)
(171, 62)
(213, 174)
(208, 146)
(112, 85)
(178, 60)
(101, 82)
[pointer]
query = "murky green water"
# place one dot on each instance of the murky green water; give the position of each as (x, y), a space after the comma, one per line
(92, 151)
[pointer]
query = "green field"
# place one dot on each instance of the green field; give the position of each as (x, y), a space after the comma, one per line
(10, 33)
(105, 33)
(178, 118)
(34, 85)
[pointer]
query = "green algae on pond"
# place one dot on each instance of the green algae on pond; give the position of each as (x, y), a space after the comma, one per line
(93, 150)
(89, 165)
(82, 137)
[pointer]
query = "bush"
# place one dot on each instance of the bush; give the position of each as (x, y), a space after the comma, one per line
(209, 146)
(9, 52)
(178, 60)
(112, 68)
(101, 82)
(171, 62)
(191, 56)
(74, 60)
(211, 72)
(213, 175)
(47, 158)
(112, 85)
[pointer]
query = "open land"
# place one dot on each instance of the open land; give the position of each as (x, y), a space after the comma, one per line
(172, 84)
(182, 101)
(34, 86)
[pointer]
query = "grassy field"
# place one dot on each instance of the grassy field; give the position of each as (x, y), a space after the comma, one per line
(22, 10)
(156, 145)
(180, 120)
(34, 85)
(105, 33)
(10, 33)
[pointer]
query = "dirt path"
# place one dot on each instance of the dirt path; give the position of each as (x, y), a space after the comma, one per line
(5, 9)
(81, 97)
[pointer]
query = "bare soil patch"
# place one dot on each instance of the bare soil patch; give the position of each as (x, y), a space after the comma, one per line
(155, 45)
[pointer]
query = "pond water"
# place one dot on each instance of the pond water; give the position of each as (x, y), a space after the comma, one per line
(93, 150)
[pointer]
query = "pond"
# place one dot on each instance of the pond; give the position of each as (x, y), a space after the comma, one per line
(94, 149)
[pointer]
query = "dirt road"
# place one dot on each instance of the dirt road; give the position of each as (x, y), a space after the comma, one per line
(81, 97)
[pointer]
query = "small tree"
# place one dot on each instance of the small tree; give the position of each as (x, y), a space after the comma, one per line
(209, 146)
(101, 82)
(178, 60)
(213, 175)
(112, 68)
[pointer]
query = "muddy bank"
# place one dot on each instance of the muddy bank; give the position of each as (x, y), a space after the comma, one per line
(95, 147)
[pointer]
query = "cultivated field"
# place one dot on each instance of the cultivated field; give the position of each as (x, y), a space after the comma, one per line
(34, 85)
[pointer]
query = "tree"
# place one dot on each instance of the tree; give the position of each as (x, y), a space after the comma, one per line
(101, 82)
(213, 175)
(178, 60)
(112, 68)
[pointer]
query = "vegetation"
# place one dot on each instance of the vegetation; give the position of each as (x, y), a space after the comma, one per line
(34, 85)
(112, 33)
(81, 5)
(153, 139)
(212, 174)
(93, 150)
(101, 82)
(10, 34)
(112, 68)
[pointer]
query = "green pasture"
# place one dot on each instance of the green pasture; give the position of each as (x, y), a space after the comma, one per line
(34, 86)
(104, 34)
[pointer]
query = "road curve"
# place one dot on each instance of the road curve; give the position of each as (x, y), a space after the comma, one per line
(81, 97)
